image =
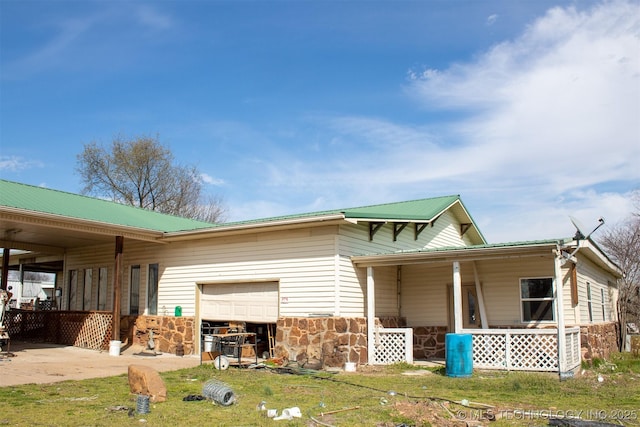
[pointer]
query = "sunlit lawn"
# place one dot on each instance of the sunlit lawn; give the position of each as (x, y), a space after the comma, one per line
(390, 396)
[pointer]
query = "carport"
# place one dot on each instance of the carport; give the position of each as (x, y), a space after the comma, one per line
(37, 231)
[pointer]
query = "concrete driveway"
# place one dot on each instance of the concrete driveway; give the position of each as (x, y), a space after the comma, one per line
(36, 363)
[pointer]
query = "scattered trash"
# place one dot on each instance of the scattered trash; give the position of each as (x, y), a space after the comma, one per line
(272, 413)
(118, 408)
(391, 393)
(142, 404)
(383, 401)
(262, 406)
(219, 392)
(289, 414)
(464, 402)
(322, 414)
(193, 398)
(600, 378)
(320, 423)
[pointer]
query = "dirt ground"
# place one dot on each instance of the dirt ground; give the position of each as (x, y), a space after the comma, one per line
(36, 363)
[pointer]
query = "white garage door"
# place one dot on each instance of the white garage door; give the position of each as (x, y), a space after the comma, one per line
(244, 302)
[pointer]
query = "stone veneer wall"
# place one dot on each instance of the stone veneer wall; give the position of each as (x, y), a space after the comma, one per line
(428, 342)
(598, 341)
(168, 331)
(317, 342)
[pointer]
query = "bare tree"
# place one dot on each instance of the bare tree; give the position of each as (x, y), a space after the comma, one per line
(622, 243)
(141, 172)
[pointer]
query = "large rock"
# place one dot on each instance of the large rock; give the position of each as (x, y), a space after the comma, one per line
(147, 381)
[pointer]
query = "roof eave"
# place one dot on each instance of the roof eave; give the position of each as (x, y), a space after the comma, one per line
(454, 254)
(78, 224)
(253, 227)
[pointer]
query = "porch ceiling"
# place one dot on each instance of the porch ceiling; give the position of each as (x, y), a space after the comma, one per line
(43, 239)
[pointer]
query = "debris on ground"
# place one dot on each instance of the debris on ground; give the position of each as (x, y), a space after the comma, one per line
(193, 398)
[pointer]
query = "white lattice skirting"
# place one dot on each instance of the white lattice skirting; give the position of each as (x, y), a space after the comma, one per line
(523, 349)
(393, 345)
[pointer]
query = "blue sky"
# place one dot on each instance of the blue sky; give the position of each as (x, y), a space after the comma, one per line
(530, 110)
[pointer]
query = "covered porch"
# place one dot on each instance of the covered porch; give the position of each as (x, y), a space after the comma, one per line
(510, 298)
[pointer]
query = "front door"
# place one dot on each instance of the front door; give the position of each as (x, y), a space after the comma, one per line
(470, 310)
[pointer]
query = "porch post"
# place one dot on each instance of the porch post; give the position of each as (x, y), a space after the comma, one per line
(559, 312)
(371, 308)
(483, 313)
(457, 298)
(6, 254)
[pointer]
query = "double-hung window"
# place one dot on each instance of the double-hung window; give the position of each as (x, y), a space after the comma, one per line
(134, 290)
(152, 290)
(589, 302)
(536, 296)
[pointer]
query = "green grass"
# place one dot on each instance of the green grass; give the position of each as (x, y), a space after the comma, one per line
(372, 397)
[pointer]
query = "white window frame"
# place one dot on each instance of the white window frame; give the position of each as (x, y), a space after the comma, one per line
(551, 299)
(602, 305)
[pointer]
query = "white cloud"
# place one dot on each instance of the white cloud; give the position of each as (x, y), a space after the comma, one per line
(491, 19)
(548, 119)
(15, 164)
(153, 18)
(208, 179)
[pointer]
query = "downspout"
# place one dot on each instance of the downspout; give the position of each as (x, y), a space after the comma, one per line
(371, 307)
(559, 312)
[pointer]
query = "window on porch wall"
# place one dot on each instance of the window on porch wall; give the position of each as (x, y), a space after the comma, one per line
(589, 302)
(88, 288)
(101, 300)
(536, 296)
(134, 290)
(152, 290)
(73, 290)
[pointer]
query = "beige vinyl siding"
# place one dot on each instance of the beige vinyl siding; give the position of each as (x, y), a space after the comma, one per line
(301, 261)
(352, 287)
(500, 281)
(386, 279)
(423, 294)
(354, 239)
(424, 298)
(89, 258)
(588, 272)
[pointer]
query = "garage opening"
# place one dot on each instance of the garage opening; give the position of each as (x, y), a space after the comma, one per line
(238, 321)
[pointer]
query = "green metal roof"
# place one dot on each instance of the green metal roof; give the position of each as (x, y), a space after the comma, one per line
(55, 202)
(413, 210)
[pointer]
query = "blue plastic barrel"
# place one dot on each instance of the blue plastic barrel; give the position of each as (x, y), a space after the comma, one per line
(458, 350)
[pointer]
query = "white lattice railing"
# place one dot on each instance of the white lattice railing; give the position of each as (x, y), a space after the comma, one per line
(393, 345)
(523, 349)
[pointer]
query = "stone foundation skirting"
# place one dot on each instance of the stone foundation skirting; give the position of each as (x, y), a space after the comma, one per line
(316, 343)
(168, 332)
(598, 341)
(428, 342)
